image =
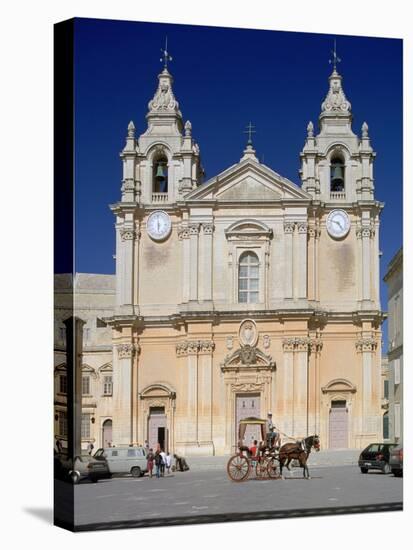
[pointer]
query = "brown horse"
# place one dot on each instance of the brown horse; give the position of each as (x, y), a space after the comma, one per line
(294, 451)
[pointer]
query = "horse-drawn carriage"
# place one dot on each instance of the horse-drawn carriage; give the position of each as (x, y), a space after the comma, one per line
(268, 460)
(264, 463)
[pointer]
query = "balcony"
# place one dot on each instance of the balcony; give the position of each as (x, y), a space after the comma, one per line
(338, 195)
(159, 198)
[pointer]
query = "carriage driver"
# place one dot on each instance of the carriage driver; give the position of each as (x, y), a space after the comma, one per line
(273, 436)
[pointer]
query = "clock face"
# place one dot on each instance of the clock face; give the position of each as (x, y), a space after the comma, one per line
(158, 225)
(338, 223)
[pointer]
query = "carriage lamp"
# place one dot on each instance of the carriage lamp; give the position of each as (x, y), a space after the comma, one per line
(92, 419)
(56, 417)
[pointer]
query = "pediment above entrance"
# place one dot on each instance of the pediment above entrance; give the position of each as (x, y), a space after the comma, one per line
(339, 385)
(248, 358)
(248, 181)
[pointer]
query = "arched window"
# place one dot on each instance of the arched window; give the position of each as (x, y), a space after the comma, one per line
(248, 278)
(337, 175)
(160, 175)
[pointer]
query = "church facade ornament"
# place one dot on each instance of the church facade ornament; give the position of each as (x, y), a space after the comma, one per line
(366, 344)
(126, 351)
(336, 101)
(248, 333)
(164, 100)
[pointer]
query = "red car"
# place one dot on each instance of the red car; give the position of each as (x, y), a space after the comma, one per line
(396, 461)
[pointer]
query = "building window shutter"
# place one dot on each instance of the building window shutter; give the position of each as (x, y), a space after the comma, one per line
(397, 371)
(397, 420)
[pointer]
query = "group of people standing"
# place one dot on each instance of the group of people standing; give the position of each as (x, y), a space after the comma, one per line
(159, 460)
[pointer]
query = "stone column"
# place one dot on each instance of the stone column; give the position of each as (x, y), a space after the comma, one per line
(367, 347)
(122, 393)
(206, 270)
(206, 348)
(128, 235)
(366, 234)
(314, 398)
(300, 387)
(300, 261)
(192, 394)
(288, 386)
(183, 235)
(312, 262)
(288, 258)
(194, 261)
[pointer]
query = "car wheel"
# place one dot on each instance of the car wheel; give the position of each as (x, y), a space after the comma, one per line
(364, 470)
(75, 478)
(398, 473)
(93, 480)
(386, 469)
(136, 471)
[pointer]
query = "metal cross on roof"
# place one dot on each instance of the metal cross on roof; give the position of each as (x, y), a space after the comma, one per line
(165, 55)
(335, 59)
(249, 131)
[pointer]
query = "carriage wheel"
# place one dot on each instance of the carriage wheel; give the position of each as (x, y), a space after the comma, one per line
(273, 468)
(261, 468)
(238, 468)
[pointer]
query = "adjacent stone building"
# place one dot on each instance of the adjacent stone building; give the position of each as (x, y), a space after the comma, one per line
(394, 280)
(242, 294)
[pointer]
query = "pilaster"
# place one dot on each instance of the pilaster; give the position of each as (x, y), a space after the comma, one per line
(288, 255)
(123, 426)
(194, 260)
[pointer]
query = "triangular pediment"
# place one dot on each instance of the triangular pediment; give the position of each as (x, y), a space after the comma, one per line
(248, 181)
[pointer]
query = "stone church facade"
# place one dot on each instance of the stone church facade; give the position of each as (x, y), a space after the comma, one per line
(245, 293)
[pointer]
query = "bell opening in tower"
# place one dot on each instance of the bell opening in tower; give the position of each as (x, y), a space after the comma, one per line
(337, 175)
(160, 175)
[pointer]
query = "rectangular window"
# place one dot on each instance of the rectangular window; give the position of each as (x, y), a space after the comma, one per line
(131, 452)
(386, 389)
(397, 420)
(86, 425)
(396, 364)
(114, 453)
(62, 423)
(107, 385)
(85, 385)
(63, 383)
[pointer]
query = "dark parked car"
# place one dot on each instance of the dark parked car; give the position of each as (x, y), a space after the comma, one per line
(376, 457)
(83, 467)
(396, 461)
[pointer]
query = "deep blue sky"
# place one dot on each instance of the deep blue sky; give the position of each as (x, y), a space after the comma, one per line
(223, 78)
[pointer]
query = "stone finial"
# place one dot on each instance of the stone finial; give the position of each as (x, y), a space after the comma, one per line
(310, 129)
(364, 130)
(336, 101)
(188, 128)
(131, 129)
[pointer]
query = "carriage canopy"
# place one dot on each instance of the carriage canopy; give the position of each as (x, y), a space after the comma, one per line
(251, 420)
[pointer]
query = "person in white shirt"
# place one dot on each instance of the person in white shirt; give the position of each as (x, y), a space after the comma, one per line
(163, 464)
(168, 462)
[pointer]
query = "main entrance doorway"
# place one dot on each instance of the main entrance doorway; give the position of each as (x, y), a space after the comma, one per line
(248, 405)
(338, 429)
(157, 432)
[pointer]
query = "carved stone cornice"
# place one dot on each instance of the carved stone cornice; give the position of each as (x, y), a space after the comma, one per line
(129, 234)
(314, 232)
(366, 344)
(364, 232)
(289, 227)
(206, 346)
(128, 184)
(194, 347)
(126, 351)
(194, 228)
(302, 344)
(208, 228)
(183, 232)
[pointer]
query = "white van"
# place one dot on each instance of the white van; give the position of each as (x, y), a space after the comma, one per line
(124, 460)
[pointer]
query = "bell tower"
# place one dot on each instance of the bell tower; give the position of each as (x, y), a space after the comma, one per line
(336, 164)
(164, 162)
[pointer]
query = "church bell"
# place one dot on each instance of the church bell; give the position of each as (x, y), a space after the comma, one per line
(338, 176)
(160, 173)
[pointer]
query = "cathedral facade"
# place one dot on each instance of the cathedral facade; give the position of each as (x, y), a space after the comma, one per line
(246, 293)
